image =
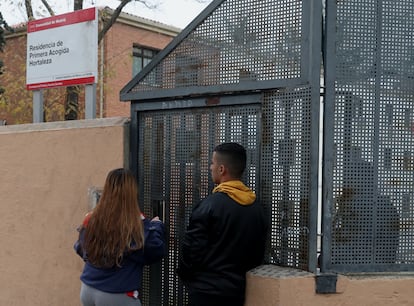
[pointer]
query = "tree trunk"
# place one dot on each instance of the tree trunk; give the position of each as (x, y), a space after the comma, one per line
(72, 103)
(72, 92)
(77, 5)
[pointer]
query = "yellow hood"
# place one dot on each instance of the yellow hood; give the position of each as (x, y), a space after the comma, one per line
(237, 191)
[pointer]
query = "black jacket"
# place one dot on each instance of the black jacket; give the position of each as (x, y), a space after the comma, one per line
(223, 241)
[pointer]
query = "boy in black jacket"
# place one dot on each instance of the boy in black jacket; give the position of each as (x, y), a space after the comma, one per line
(226, 235)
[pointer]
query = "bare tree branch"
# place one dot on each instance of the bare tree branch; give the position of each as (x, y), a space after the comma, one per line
(29, 9)
(147, 4)
(72, 92)
(77, 5)
(108, 23)
(49, 9)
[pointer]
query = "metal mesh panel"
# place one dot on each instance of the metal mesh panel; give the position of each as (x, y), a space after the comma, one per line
(372, 205)
(231, 46)
(175, 149)
(240, 40)
(285, 174)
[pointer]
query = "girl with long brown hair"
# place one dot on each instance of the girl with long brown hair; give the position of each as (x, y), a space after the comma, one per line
(116, 241)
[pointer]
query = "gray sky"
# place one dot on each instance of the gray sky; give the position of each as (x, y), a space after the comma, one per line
(178, 13)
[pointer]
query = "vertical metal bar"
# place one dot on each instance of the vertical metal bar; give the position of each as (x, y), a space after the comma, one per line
(328, 135)
(259, 133)
(227, 131)
(212, 140)
(286, 203)
(197, 159)
(137, 167)
(90, 101)
(182, 189)
(377, 111)
(315, 37)
(133, 144)
(266, 173)
(168, 217)
(306, 31)
(156, 170)
(245, 143)
(38, 106)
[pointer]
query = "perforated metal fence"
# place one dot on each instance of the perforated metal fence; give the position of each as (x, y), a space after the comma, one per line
(369, 137)
(249, 71)
(175, 154)
(243, 71)
(231, 42)
(286, 174)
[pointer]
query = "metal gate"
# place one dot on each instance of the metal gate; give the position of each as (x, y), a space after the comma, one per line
(245, 71)
(175, 148)
(250, 71)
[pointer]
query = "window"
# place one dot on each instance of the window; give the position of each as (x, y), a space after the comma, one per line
(141, 56)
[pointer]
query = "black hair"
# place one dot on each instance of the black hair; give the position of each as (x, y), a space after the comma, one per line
(233, 156)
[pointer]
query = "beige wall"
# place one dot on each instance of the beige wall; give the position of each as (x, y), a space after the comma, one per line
(278, 286)
(45, 172)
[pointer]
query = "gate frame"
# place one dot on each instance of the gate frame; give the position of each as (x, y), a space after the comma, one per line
(199, 96)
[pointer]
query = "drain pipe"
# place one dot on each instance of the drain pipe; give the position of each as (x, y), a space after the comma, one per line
(101, 79)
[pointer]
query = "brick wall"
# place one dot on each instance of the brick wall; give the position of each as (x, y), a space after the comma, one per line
(118, 58)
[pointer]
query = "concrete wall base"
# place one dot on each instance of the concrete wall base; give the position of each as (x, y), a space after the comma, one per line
(270, 285)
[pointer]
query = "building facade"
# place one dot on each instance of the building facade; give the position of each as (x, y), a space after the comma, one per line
(125, 49)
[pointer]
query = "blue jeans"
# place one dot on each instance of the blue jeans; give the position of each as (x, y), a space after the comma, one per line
(92, 297)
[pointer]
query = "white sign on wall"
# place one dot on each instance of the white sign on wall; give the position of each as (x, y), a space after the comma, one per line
(62, 50)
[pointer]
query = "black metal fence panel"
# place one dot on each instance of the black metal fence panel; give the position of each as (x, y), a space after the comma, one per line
(285, 176)
(241, 40)
(271, 49)
(368, 153)
(195, 95)
(175, 154)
